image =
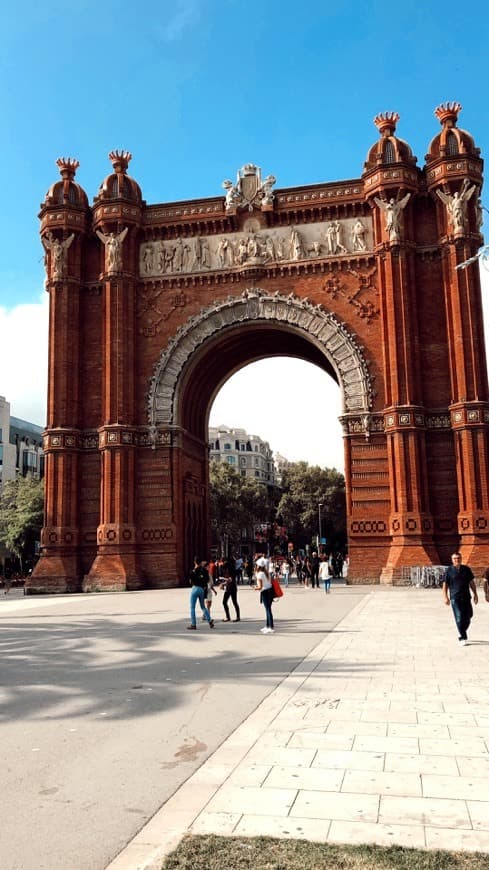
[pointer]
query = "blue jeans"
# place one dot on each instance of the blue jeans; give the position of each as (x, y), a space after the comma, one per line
(267, 598)
(197, 594)
(462, 611)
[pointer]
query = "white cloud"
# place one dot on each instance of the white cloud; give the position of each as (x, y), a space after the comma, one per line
(23, 359)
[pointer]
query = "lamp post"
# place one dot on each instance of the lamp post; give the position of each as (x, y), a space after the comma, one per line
(320, 526)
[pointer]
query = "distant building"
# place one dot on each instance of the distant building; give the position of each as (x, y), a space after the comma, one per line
(247, 454)
(20, 446)
(281, 463)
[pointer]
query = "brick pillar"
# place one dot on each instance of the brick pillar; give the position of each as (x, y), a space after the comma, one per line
(114, 567)
(469, 410)
(410, 521)
(57, 569)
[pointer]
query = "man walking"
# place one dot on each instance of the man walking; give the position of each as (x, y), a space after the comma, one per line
(458, 581)
(199, 579)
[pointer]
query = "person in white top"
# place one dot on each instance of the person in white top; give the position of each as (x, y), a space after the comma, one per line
(264, 585)
(324, 573)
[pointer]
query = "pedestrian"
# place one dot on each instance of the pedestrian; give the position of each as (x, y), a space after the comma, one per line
(324, 573)
(210, 590)
(285, 572)
(486, 584)
(306, 571)
(264, 586)
(315, 570)
(229, 584)
(458, 581)
(199, 580)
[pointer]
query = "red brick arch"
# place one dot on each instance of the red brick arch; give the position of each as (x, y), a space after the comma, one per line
(153, 307)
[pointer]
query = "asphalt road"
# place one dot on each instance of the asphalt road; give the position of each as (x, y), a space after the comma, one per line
(108, 704)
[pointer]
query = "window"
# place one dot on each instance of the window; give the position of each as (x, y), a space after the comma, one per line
(242, 446)
(257, 474)
(227, 447)
(256, 448)
(231, 460)
(242, 461)
(452, 144)
(389, 153)
(243, 473)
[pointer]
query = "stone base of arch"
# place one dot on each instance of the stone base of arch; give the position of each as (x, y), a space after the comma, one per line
(408, 554)
(54, 575)
(113, 572)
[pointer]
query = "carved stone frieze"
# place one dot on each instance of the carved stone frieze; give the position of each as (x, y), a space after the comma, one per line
(260, 247)
(318, 325)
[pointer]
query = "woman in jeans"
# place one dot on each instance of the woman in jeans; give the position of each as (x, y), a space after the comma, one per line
(264, 585)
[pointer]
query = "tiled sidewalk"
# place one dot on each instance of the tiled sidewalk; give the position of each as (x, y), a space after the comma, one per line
(380, 735)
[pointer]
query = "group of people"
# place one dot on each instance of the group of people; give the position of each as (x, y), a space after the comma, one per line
(208, 577)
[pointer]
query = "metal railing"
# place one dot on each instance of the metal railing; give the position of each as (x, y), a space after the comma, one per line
(428, 576)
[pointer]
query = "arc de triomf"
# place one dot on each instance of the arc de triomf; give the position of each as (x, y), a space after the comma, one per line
(153, 307)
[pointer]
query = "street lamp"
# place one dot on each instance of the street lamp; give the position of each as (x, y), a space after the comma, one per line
(320, 505)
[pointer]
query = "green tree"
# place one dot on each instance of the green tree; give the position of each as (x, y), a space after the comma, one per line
(21, 515)
(235, 503)
(304, 488)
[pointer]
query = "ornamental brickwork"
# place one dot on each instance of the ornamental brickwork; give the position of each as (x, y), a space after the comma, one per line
(153, 307)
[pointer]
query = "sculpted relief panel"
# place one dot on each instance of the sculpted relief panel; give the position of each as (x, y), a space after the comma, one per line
(255, 247)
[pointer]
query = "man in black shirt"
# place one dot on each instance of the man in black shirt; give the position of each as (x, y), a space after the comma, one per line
(458, 580)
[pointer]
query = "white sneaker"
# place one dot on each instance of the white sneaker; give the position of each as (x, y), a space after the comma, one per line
(463, 643)
(270, 631)
(264, 630)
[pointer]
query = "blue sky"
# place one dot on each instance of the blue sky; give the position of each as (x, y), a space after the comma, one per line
(194, 89)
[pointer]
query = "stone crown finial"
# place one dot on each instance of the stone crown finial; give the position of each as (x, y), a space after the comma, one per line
(67, 167)
(447, 113)
(386, 122)
(120, 160)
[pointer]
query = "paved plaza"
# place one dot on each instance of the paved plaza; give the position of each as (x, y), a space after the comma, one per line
(381, 735)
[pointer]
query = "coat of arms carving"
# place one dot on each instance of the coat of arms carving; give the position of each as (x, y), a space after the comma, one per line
(249, 191)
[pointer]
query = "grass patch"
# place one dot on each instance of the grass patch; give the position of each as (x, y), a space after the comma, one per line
(266, 853)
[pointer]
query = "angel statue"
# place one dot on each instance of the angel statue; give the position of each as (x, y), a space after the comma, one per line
(457, 205)
(393, 210)
(113, 250)
(58, 253)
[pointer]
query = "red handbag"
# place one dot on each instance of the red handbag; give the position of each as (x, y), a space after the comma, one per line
(277, 589)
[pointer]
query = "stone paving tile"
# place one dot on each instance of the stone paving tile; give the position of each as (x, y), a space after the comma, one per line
(412, 836)
(313, 778)
(249, 774)
(461, 787)
(311, 740)
(326, 805)
(441, 764)
(294, 757)
(479, 814)
(424, 811)
(209, 823)
(349, 760)
(354, 729)
(446, 718)
(396, 729)
(386, 744)
(316, 830)
(263, 801)
(458, 841)
(472, 746)
(370, 782)
(469, 766)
